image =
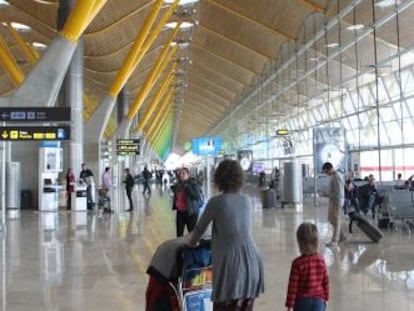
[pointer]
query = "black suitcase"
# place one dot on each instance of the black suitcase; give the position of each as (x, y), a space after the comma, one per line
(269, 198)
(368, 228)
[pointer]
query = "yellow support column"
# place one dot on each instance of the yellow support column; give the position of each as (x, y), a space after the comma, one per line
(156, 133)
(156, 99)
(151, 134)
(159, 66)
(34, 51)
(10, 65)
(80, 17)
(161, 110)
(154, 34)
(131, 60)
(160, 127)
(164, 137)
(32, 58)
(3, 44)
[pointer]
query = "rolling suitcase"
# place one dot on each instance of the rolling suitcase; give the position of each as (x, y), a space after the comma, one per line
(368, 228)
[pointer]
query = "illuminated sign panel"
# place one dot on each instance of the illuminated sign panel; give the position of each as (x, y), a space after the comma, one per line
(14, 133)
(282, 132)
(206, 145)
(128, 147)
(35, 114)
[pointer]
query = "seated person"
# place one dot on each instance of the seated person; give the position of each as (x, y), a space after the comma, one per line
(351, 196)
(400, 183)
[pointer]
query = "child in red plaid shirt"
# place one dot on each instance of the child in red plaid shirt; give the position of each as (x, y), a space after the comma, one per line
(308, 288)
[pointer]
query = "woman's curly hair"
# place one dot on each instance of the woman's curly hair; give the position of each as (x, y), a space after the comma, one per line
(229, 176)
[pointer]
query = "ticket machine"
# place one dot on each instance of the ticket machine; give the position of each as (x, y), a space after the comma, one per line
(50, 164)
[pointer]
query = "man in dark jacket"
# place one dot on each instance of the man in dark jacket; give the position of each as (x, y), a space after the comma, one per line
(129, 185)
(187, 200)
(351, 196)
(86, 176)
(368, 196)
(146, 175)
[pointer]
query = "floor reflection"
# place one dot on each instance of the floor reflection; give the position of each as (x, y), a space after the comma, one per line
(87, 261)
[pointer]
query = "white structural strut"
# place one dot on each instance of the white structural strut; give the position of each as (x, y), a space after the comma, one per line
(95, 126)
(42, 84)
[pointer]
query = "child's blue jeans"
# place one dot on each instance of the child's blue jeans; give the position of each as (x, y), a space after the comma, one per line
(309, 304)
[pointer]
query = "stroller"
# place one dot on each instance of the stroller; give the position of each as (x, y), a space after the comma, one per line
(182, 284)
(104, 201)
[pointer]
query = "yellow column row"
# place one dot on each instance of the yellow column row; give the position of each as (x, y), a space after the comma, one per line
(160, 112)
(133, 58)
(9, 63)
(156, 99)
(156, 71)
(81, 16)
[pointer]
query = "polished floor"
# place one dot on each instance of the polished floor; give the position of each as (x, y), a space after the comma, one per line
(82, 261)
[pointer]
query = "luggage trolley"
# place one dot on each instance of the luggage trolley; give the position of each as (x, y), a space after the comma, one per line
(180, 277)
(194, 286)
(104, 201)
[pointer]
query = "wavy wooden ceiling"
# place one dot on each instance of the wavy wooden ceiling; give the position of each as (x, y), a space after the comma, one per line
(233, 42)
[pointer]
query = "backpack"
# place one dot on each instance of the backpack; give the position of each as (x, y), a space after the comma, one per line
(200, 197)
(195, 193)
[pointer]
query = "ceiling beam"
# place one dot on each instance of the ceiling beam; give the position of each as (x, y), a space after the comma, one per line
(284, 35)
(198, 46)
(235, 42)
(232, 80)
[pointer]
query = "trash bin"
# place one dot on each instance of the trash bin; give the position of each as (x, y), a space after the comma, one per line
(26, 199)
(268, 198)
(262, 179)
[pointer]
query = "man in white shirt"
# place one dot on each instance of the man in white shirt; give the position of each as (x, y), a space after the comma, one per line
(336, 197)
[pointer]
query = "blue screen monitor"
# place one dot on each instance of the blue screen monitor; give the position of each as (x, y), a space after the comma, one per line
(257, 168)
(206, 145)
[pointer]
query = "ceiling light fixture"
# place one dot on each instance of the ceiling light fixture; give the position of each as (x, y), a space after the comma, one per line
(332, 45)
(182, 2)
(386, 3)
(3, 3)
(20, 27)
(183, 26)
(356, 27)
(39, 45)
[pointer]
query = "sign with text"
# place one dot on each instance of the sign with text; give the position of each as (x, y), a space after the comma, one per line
(35, 114)
(206, 145)
(126, 146)
(14, 133)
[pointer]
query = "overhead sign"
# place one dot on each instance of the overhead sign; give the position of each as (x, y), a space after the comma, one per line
(127, 153)
(14, 133)
(35, 114)
(126, 141)
(128, 147)
(282, 132)
(206, 145)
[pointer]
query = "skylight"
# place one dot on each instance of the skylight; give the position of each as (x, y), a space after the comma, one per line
(20, 27)
(356, 27)
(382, 4)
(39, 45)
(182, 2)
(184, 25)
(3, 3)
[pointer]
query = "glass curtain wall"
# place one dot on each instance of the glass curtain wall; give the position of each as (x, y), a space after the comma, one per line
(352, 67)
